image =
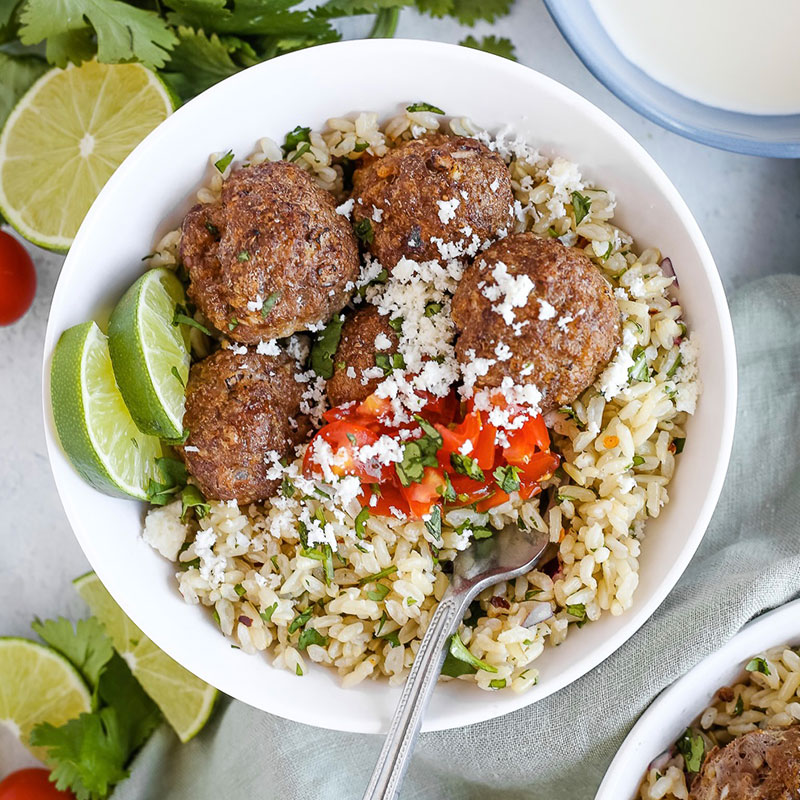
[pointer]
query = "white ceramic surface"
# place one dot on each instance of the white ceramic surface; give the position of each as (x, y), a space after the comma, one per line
(676, 707)
(147, 196)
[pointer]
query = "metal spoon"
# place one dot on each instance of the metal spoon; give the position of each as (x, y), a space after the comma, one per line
(486, 562)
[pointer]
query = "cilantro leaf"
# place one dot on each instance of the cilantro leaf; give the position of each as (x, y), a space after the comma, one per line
(507, 478)
(19, 73)
(692, 747)
(311, 636)
(86, 646)
(87, 754)
(580, 205)
(324, 347)
(363, 229)
(124, 33)
(758, 664)
(349, 8)
(434, 524)
(192, 497)
(459, 650)
(464, 465)
(424, 107)
(467, 12)
(497, 45)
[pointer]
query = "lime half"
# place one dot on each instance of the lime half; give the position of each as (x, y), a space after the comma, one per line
(184, 699)
(93, 423)
(38, 684)
(149, 353)
(65, 138)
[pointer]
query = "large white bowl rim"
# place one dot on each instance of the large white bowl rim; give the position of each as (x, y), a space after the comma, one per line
(148, 195)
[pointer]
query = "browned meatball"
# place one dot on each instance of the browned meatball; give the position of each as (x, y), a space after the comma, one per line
(240, 408)
(440, 187)
(559, 340)
(358, 349)
(761, 765)
(272, 257)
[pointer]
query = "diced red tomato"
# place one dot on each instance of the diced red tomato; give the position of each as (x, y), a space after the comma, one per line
(539, 466)
(345, 439)
(422, 496)
(496, 499)
(389, 497)
(483, 451)
(468, 490)
(523, 443)
(440, 409)
(454, 437)
(375, 406)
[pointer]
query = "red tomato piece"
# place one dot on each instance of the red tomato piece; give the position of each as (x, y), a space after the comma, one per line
(483, 451)
(17, 279)
(345, 439)
(375, 406)
(440, 409)
(523, 443)
(496, 499)
(422, 496)
(539, 467)
(389, 497)
(453, 438)
(31, 784)
(468, 490)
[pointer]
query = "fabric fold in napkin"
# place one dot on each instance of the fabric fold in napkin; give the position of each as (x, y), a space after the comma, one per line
(559, 748)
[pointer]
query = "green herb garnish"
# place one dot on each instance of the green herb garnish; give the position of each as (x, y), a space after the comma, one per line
(507, 478)
(267, 613)
(324, 347)
(464, 465)
(692, 747)
(498, 683)
(738, 709)
(380, 591)
(295, 137)
(243, 256)
(361, 520)
(758, 664)
(424, 107)
(177, 376)
(363, 229)
(311, 636)
(679, 445)
(300, 620)
(184, 319)
(580, 205)
(378, 575)
(223, 163)
(459, 650)
(269, 304)
(639, 371)
(434, 524)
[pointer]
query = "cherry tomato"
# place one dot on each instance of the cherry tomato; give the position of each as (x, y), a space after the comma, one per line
(17, 279)
(31, 784)
(422, 496)
(345, 439)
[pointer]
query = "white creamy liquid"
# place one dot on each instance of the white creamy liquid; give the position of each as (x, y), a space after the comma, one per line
(742, 55)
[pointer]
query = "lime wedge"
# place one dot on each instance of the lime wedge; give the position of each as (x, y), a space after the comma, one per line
(38, 684)
(66, 136)
(149, 353)
(185, 700)
(93, 423)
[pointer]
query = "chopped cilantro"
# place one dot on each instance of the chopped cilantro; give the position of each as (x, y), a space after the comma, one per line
(300, 620)
(192, 497)
(674, 368)
(240, 590)
(639, 371)
(287, 487)
(378, 575)
(637, 461)
(390, 637)
(269, 304)
(447, 491)
(177, 376)
(498, 683)
(531, 593)
(417, 455)
(324, 347)
(578, 611)
(431, 309)
(267, 613)
(360, 147)
(243, 256)
(424, 107)
(184, 319)
(363, 229)
(739, 707)
(380, 591)
(223, 163)
(507, 478)
(361, 520)
(692, 747)
(301, 151)
(679, 445)
(396, 324)
(298, 670)
(459, 650)
(570, 412)
(758, 664)
(233, 324)
(295, 137)
(480, 532)
(464, 465)
(580, 205)
(311, 636)
(212, 229)
(434, 524)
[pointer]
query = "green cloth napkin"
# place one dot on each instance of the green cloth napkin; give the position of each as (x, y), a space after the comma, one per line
(559, 748)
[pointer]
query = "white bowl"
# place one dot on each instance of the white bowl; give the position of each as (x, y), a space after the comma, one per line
(148, 195)
(678, 706)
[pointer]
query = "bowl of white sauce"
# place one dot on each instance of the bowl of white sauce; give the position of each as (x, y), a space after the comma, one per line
(722, 72)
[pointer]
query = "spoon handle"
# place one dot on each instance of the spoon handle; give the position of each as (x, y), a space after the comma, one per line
(396, 753)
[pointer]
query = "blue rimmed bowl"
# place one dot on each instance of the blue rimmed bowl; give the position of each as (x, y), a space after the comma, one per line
(776, 136)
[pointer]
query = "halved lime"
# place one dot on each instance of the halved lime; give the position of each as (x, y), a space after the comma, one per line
(184, 699)
(38, 684)
(93, 422)
(149, 353)
(66, 136)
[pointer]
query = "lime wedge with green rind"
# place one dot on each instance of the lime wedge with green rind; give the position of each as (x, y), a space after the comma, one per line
(149, 353)
(184, 699)
(65, 138)
(38, 684)
(93, 423)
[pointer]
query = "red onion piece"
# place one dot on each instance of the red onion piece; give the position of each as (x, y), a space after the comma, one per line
(668, 270)
(539, 613)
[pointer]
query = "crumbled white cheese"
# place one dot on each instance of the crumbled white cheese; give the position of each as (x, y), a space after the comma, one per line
(546, 311)
(351, 373)
(238, 349)
(268, 348)
(494, 185)
(382, 342)
(164, 531)
(377, 214)
(255, 305)
(514, 288)
(346, 208)
(447, 209)
(615, 376)
(502, 351)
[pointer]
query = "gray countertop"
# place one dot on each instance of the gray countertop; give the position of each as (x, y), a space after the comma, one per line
(747, 207)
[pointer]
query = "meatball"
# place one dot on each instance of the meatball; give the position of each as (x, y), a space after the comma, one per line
(272, 257)
(541, 313)
(362, 333)
(761, 765)
(239, 409)
(439, 187)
